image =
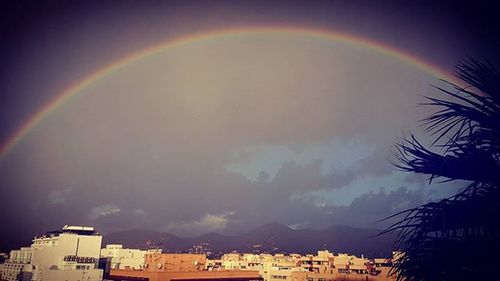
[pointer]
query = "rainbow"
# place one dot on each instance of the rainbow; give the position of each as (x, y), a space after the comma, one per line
(60, 99)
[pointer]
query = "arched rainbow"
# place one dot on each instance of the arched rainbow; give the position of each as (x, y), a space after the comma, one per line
(73, 90)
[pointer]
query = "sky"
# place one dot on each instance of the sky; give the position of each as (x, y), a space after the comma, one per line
(268, 123)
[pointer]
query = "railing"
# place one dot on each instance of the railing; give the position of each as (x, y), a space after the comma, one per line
(78, 259)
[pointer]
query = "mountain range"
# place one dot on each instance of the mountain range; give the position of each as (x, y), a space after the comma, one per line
(269, 238)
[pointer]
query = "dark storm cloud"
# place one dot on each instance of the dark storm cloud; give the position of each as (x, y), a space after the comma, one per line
(136, 157)
(369, 209)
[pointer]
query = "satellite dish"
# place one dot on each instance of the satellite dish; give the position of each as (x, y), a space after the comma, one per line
(195, 262)
(159, 265)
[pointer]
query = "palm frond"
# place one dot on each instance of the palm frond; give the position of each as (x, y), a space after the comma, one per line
(456, 238)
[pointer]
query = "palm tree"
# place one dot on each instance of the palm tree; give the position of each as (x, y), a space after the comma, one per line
(457, 238)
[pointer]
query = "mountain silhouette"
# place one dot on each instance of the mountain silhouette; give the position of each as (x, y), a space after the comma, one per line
(269, 238)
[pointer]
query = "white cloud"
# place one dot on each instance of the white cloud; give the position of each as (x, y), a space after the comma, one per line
(208, 223)
(334, 155)
(138, 211)
(57, 197)
(104, 210)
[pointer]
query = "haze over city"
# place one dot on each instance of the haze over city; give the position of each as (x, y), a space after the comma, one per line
(190, 117)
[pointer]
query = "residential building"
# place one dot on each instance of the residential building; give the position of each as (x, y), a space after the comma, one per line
(124, 258)
(68, 254)
(16, 262)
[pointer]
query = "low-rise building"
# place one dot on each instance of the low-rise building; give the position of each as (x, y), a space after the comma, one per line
(124, 258)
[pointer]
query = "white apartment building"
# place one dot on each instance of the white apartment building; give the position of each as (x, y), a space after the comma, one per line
(16, 262)
(124, 258)
(71, 254)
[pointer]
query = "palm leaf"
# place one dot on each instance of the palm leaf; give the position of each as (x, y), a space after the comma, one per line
(456, 238)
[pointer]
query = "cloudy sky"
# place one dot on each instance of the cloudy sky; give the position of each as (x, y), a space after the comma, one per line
(223, 133)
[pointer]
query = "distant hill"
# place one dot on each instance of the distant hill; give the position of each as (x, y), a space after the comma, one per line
(269, 238)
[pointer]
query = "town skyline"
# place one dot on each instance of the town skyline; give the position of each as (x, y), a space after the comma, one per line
(78, 252)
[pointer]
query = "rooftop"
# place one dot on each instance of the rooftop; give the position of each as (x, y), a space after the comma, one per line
(72, 229)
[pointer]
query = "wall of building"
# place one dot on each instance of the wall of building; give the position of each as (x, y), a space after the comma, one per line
(186, 275)
(124, 258)
(157, 262)
(80, 275)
